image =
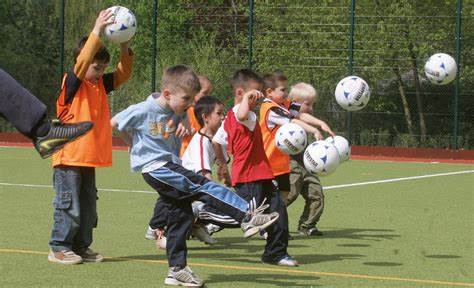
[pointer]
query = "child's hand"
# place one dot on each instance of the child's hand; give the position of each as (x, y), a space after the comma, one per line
(105, 18)
(181, 131)
(317, 135)
(223, 174)
(326, 129)
(253, 96)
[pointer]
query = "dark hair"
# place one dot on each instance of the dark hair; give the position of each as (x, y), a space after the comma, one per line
(205, 105)
(102, 54)
(182, 78)
(242, 78)
(272, 81)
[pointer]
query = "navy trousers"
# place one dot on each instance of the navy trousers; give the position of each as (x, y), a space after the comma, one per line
(19, 106)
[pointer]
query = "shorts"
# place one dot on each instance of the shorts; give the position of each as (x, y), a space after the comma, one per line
(283, 182)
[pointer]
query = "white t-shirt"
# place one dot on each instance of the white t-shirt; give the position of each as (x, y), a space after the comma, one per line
(199, 155)
(277, 116)
(221, 135)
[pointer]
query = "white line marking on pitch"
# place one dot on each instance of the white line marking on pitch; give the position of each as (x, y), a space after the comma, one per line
(325, 188)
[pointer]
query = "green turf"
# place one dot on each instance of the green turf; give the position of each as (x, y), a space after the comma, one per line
(417, 229)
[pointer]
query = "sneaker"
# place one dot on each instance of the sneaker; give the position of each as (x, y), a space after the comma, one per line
(200, 233)
(287, 261)
(310, 231)
(66, 257)
(178, 276)
(213, 228)
(59, 135)
(91, 256)
(263, 234)
(256, 220)
(150, 233)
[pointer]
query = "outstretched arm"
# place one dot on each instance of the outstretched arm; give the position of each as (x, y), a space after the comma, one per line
(311, 120)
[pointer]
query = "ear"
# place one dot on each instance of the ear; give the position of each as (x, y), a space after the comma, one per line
(268, 91)
(166, 93)
(204, 118)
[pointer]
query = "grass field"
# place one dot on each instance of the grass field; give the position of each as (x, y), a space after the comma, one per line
(407, 233)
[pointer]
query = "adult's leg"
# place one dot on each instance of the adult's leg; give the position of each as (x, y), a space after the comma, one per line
(20, 107)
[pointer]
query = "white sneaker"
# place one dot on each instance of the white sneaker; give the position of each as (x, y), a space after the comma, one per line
(200, 233)
(287, 261)
(66, 257)
(256, 220)
(150, 233)
(183, 277)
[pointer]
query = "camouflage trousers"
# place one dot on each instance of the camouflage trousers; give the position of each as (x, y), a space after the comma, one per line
(309, 186)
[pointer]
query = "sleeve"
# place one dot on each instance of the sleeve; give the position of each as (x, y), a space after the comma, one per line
(129, 118)
(294, 109)
(221, 135)
(277, 117)
(251, 120)
(124, 69)
(71, 84)
(86, 57)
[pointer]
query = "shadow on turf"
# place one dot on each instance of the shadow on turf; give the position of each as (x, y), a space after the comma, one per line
(355, 234)
(279, 280)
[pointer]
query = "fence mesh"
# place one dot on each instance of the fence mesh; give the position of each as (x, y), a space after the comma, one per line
(308, 40)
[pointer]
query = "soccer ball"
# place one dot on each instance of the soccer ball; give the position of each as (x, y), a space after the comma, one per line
(352, 93)
(290, 138)
(124, 26)
(440, 69)
(342, 146)
(321, 158)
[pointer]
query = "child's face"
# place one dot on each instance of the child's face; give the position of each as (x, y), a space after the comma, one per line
(214, 120)
(278, 95)
(179, 102)
(96, 71)
(306, 106)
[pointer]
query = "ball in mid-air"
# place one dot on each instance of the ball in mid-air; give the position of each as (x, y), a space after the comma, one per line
(352, 93)
(440, 69)
(342, 146)
(290, 138)
(321, 158)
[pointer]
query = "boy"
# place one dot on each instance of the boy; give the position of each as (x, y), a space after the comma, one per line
(149, 128)
(308, 185)
(28, 114)
(206, 89)
(83, 98)
(252, 176)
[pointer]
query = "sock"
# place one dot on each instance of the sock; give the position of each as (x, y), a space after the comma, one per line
(42, 128)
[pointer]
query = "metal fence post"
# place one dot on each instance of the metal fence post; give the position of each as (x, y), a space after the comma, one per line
(153, 41)
(351, 61)
(250, 34)
(61, 40)
(457, 86)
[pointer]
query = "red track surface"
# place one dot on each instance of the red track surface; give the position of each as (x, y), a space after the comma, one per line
(357, 152)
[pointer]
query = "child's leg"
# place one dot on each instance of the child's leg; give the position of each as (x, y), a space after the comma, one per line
(88, 201)
(159, 219)
(67, 183)
(314, 202)
(296, 182)
(179, 223)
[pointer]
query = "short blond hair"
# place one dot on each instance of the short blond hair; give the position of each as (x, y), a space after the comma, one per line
(302, 92)
(180, 78)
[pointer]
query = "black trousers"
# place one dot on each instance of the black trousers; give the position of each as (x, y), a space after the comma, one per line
(277, 240)
(178, 187)
(19, 106)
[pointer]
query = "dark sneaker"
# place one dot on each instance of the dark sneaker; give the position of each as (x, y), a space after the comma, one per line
(287, 261)
(178, 276)
(59, 135)
(310, 232)
(91, 256)
(66, 257)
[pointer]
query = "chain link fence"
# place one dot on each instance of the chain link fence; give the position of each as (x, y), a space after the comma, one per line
(319, 42)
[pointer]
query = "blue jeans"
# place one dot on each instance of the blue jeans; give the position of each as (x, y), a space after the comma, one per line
(75, 209)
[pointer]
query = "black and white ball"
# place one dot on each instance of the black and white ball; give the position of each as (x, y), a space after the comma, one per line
(352, 93)
(321, 158)
(124, 26)
(440, 69)
(291, 139)
(342, 146)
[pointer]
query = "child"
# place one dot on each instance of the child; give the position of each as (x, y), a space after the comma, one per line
(84, 98)
(206, 89)
(252, 176)
(274, 114)
(149, 127)
(308, 185)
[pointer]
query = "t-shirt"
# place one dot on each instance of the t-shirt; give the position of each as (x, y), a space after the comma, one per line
(244, 142)
(152, 128)
(199, 155)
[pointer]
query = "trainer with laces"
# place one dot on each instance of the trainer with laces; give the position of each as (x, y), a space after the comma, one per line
(183, 276)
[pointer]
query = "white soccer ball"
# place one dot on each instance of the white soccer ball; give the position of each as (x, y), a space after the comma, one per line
(342, 146)
(124, 26)
(290, 138)
(352, 93)
(321, 158)
(440, 69)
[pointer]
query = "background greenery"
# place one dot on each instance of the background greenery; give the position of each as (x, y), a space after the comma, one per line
(308, 40)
